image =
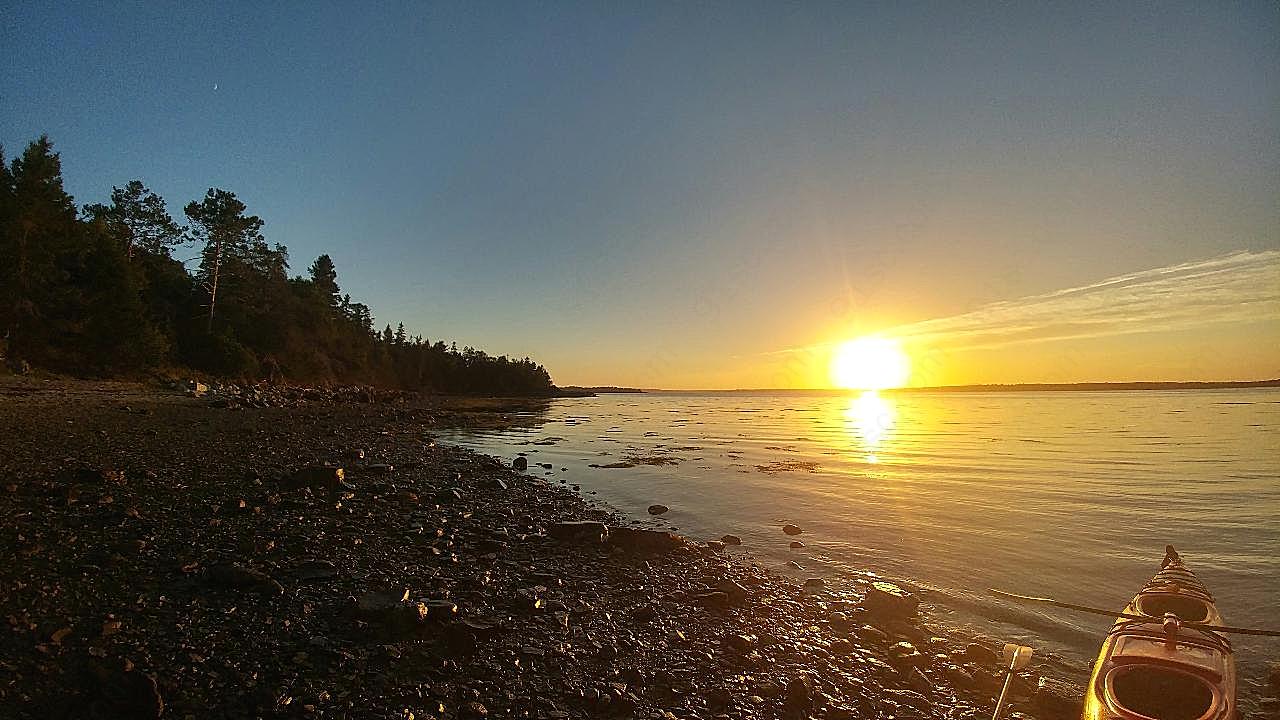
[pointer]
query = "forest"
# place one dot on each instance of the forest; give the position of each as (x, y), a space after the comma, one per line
(96, 291)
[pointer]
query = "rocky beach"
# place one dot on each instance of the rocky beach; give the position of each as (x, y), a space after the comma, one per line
(316, 554)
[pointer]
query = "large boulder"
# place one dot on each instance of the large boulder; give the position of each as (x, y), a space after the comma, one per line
(579, 531)
(326, 477)
(391, 611)
(644, 542)
(888, 601)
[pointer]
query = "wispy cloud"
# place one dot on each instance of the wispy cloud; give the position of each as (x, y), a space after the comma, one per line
(1240, 287)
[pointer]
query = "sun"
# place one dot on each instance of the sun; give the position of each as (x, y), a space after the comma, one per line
(870, 363)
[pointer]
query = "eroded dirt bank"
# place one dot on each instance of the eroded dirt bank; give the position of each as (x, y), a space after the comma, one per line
(165, 557)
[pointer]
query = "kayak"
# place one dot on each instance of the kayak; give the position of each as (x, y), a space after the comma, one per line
(1158, 669)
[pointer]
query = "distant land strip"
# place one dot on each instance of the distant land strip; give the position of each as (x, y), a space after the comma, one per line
(1095, 386)
(1017, 387)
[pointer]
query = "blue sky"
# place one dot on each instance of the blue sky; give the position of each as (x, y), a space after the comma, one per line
(660, 194)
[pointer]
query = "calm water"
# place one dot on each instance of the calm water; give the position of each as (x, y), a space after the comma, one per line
(1072, 495)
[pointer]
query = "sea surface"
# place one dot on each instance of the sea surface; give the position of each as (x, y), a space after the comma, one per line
(1071, 495)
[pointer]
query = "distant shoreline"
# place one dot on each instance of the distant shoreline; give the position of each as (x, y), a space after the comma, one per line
(1016, 387)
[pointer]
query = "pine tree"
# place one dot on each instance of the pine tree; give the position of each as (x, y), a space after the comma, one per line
(138, 219)
(218, 221)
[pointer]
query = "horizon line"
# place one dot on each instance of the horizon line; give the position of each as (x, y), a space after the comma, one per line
(1027, 386)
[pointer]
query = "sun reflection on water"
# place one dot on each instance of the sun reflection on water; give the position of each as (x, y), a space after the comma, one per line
(869, 419)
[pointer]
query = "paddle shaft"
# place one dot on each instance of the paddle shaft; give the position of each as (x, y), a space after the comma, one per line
(1008, 679)
(1131, 616)
(1014, 665)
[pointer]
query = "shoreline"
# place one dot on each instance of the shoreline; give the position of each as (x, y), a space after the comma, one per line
(178, 555)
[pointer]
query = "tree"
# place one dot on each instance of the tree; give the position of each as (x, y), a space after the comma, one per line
(325, 277)
(137, 218)
(38, 230)
(218, 221)
(399, 336)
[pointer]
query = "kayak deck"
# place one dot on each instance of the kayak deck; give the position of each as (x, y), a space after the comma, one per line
(1154, 670)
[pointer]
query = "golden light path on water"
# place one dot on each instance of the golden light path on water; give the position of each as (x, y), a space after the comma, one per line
(869, 420)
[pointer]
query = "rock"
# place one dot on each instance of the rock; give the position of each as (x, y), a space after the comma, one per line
(1055, 699)
(868, 633)
(644, 542)
(474, 709)
(731, 540)
(311, 570)
(813, 583)
(126, 692)
(239, 577)
(719, 697)
(715, 545)
(326, 477)
(658, 509)
(910, 698)
(545, 466)
(741, 643)
(579, 530)
(904, 655)
(839, 622)
(197, 389)
(959, 677)
(796, 545)
(520, 463)
(644, 613)
(392, 611)
(889, 601)
(714, 600)
(441, 610)
(799, 695)
(980, 655)
(792, 529)
(736, 593)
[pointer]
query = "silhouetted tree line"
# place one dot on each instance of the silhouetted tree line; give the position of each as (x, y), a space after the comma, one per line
(98, 291)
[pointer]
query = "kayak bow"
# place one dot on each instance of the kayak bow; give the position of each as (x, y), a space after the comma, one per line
(1153, 667)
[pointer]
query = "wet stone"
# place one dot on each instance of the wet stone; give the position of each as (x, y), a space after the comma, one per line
(326, 477)
(579, 530)
(792, 529)
(887, 600)
(731, 540)
(239, 577)
(658, 509)
(644, 542)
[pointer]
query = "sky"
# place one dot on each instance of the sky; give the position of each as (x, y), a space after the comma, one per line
(712, 195)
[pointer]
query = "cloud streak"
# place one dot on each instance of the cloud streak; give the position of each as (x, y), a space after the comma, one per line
(1240, 287)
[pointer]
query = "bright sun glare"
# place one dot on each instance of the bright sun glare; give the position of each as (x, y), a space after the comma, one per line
(870, 363)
